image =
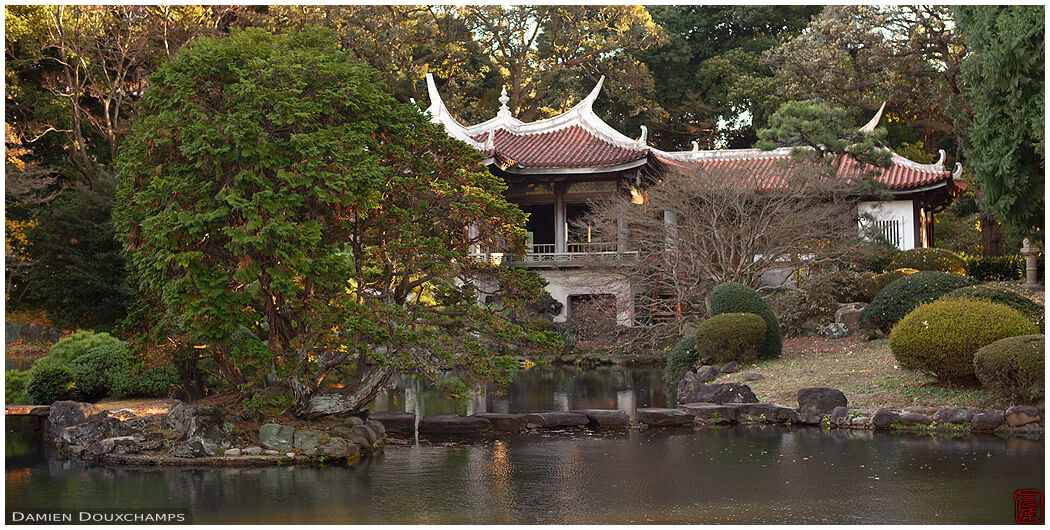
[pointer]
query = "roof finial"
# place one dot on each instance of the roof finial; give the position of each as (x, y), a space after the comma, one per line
(504, 110)
(696, 149)
(645, 133)
(870, 126)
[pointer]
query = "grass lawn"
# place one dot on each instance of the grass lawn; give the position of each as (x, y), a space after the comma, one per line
(863, 370)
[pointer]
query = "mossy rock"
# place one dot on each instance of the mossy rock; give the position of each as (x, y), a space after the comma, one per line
(940, 338)
(1013, 367)
(738, 298)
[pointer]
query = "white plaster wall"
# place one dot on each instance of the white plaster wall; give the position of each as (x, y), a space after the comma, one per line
(898, 210)
(563, 283)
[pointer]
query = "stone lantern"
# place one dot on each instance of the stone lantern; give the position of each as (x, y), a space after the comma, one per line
(1031, 264)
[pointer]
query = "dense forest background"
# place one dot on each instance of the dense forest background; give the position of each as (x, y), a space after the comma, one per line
(715, 74)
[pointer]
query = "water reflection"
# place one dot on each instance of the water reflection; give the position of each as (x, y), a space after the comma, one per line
(540, 389)
(742, 474)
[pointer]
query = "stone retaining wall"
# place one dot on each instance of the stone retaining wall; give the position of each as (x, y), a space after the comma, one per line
(30, 333)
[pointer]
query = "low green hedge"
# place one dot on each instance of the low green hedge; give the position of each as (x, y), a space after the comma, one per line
(680, 359)
(906, 293)
(873, 285)
(1013, 367)
(940, 338)
(996, 268)
(1002, 295)
(730, 337)
(738, 298)
(929, 259)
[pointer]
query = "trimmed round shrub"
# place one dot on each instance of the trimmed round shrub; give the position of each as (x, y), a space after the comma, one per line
(930, 259)
(49, 382)
(111, 370)
(730, 337)
(873, 285)
(680, 359)
(940, 338)
(1002, 295)
(15, 387)
(145, 382)
(78, 344)
(906, 293)
(1013, 367)
(738, 298)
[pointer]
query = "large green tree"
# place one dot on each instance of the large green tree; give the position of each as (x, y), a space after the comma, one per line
(1006, 87)
(271, 188)
(712, 68)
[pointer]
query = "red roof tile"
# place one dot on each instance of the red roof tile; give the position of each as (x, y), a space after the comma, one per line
(569, 147)
(766, 169)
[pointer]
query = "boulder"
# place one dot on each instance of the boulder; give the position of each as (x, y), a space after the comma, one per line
(718, 393)
(12, 330)
(656, 417)
(605, 419)
(550, 420)
(191, 449)
(32, 333)
(504, 422)
(956, 415)
(453, 424)
(93, 429)
(195, 422)
(119, 445)
(308, 441)
(914, 418)
(338, 448)
(232, 452)
(277, 436)
(859, 421)
(366, 432)
(834, 330)
(52, 334)
(810, 418)
(988, 420)
(395, 422)
(377, 427)
(840, 416)
(883, 418)
(68, 413)
(751, 376)
(706, 374)
(254, 450)
(711, 412)
(729, 367)
(821, 400)
(1022, 415)
(848, 315)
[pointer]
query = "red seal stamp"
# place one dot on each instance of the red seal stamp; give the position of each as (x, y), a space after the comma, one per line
(1028, 506)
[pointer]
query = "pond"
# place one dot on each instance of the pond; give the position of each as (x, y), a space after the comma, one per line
(742, 474)
(538, 389)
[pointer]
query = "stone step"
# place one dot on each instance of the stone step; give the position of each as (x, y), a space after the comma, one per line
(453, 424)
(551, 420)
(605, 419)
(657, 417)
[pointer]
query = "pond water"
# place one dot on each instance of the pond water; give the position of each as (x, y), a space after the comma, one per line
(538, 389)
(743, 474)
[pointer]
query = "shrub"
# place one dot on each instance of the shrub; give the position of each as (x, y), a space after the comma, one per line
(739, 298)
(15, 387)
(49, 382)
(79, 343)
(929, 259)
(680, 359)
(873, 285)
(817, 298)
(996, 268)
(1002, 295)
(77, 272)
(940, 338)
(906, 293)
(730, 337)
(111, 370)
(1013, 367)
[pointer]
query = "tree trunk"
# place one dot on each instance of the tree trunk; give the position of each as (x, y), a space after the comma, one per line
(326, 402)
(991, 236)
